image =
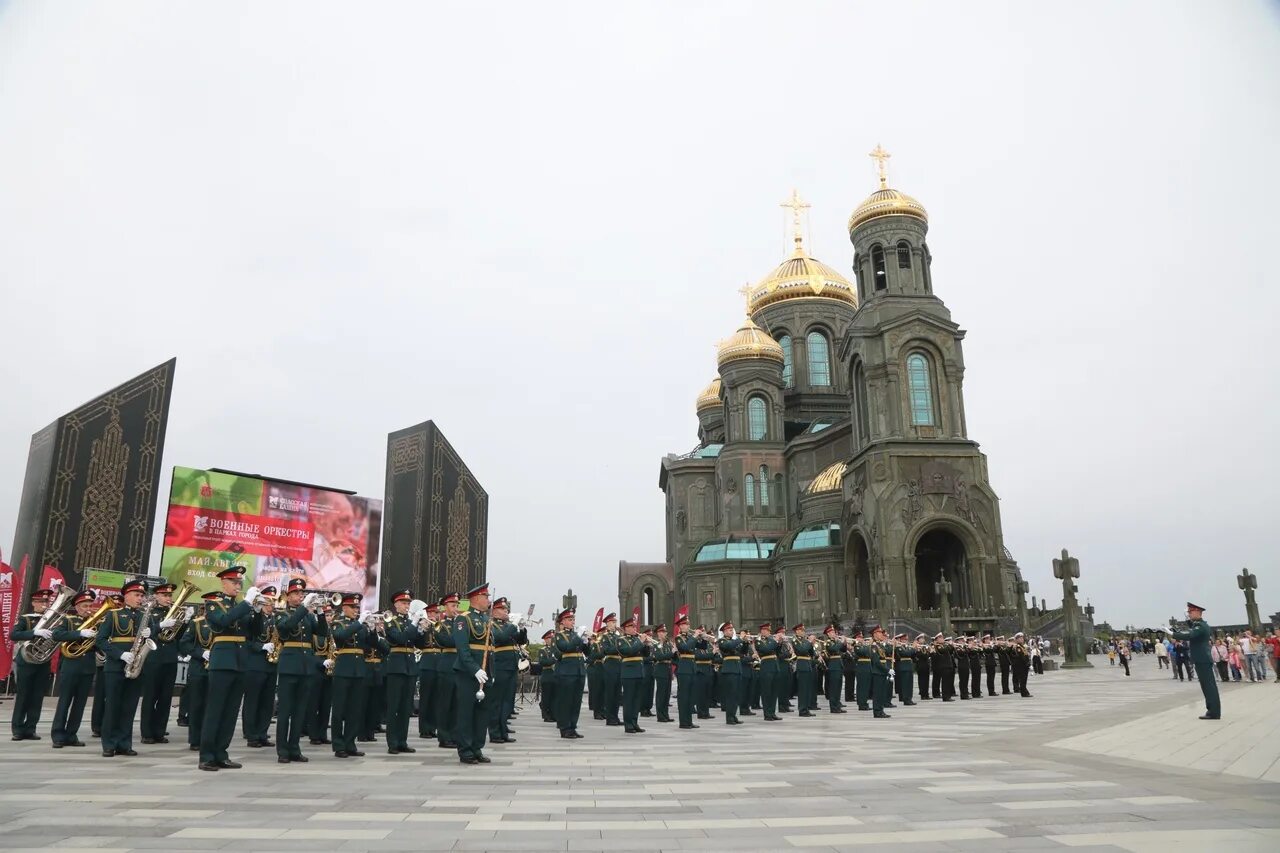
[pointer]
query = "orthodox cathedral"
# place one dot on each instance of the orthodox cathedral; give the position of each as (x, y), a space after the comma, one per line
(834, 478)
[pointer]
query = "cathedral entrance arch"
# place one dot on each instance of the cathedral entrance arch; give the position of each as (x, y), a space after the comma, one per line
(857, 573)
(937, 552)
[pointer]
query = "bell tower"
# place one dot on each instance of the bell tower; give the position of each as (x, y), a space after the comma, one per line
(916, 489)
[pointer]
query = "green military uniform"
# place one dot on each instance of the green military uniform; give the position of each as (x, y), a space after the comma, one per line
(547, 658)
(806, 695)
(595, 679)
(297, 629)
(1199, 637)
(570, 674)
(428, 661)
(633, 651)
(320, 684)
(195, 643)
(767, 648)
(259, 680)
(703, 676)
(686, 675)
(472, 638)
(115, 639)
(649, 679)
(611, 665)
(231, 623)
(664, 653)
(879, 677)
(835, 650)
(446, 699)
(731, 650)
(349, 637)
(376, 649)
(75, 680)
(1020, 662)
(400, 672)
(904, 671)
(862, 672)
(33, 678)
(159, 674)
(506, 640)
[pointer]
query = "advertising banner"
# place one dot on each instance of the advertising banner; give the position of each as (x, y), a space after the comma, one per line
(10, 604)
(276, 530)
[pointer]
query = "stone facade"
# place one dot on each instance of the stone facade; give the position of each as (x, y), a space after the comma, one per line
(850, 487)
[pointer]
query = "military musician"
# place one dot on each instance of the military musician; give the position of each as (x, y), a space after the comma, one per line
(664, 654)
(646, 691)
(904, 675)
(231, 623)
(428, 661)
(33, 678)
(296, 627)
(506, 643)
(611, 664)
(445, 694)
(75, 673)
(835, 649)
(570, 674)
(686, 672)
(195, 643)
(921, 658)
(349, 634)
(159, 673)
(400, 672)
(472, 672)
(547, 658)
(116, 638)
(260, 674)
(632, 651)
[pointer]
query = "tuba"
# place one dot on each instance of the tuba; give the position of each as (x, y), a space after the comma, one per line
(40, 650)
(178, 612)
(79, 648)
(141, 646)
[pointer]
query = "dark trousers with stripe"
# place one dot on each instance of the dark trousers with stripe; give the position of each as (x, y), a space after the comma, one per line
(730, 695)
(446, 705)
(662, 691)
(702, 690)
(547, 696)
(122, 706)
(157, 698)
(471, 715)
(806, 691)
(221, 707)
(99, 712)
(196, 693)
(568, 701)
(294, 692)
(612, 695)
(73, 693)
(835, 688)
(503, 687)
(769, 692)
(259, 701)
(33, 683)
(319, 706)
(426, 703)
(399, 709)
(347, 712)
(684, 697)
(632, 692)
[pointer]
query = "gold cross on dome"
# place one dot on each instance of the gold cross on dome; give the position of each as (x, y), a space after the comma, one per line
(745, 290)
(882, 163)
(795, 205)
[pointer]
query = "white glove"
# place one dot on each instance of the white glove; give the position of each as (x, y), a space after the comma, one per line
(482, 677)
(191, 613)
(166, 624)
(205, 654)
(43, 632)
(145, 633)
(1168, 630)
(311, 600)
(252, 594)
(328, 664)
(88, 633)
(126, 657)
(268, 648)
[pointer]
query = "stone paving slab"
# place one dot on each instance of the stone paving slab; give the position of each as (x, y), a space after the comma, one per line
(1095, 761)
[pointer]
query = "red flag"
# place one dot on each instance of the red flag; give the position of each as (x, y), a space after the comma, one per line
(599, 623)
(10, 602)
(681, 613)
(635, 615)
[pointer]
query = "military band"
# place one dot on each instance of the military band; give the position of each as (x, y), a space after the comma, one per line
(281, 652)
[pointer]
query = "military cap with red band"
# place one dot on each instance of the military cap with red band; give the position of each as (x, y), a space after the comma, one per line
(297, 585)
(683, 620)
(268, 591)
(830, 629)
(628, 622)
(351, 599)
(41, 593)
(765, 626)
(548, 635)
(448, 598)
(661, 627)
(87, 595)
(402, 595)
(565, 614)
(798, 627)
(479, 589)
(232, 573)
(165, 587)
(502, 602)
(132, 585)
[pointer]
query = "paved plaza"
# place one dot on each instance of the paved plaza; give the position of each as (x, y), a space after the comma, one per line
(1095, 761)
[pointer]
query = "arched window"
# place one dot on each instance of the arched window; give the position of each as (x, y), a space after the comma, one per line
(749, 490)
(778, 496)
(819, 359)
(757, 422)
(646, 606)
(904, 255)
(860, 403)
(764, 486)
(921, 390)
(879, 278)
(748, 600)
(788, 371)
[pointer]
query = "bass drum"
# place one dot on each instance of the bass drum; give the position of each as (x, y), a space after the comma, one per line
(523, 665)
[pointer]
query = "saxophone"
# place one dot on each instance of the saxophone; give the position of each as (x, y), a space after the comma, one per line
(141, 647)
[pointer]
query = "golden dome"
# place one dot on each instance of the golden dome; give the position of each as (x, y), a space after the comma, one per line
(750, 341)
(710, 396)
(885, 201)
(800, 277)
(829, 480)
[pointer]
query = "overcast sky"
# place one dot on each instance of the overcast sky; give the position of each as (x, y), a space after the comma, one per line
(529, 222)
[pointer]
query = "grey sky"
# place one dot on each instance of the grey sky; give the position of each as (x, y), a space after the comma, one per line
(529, 222)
